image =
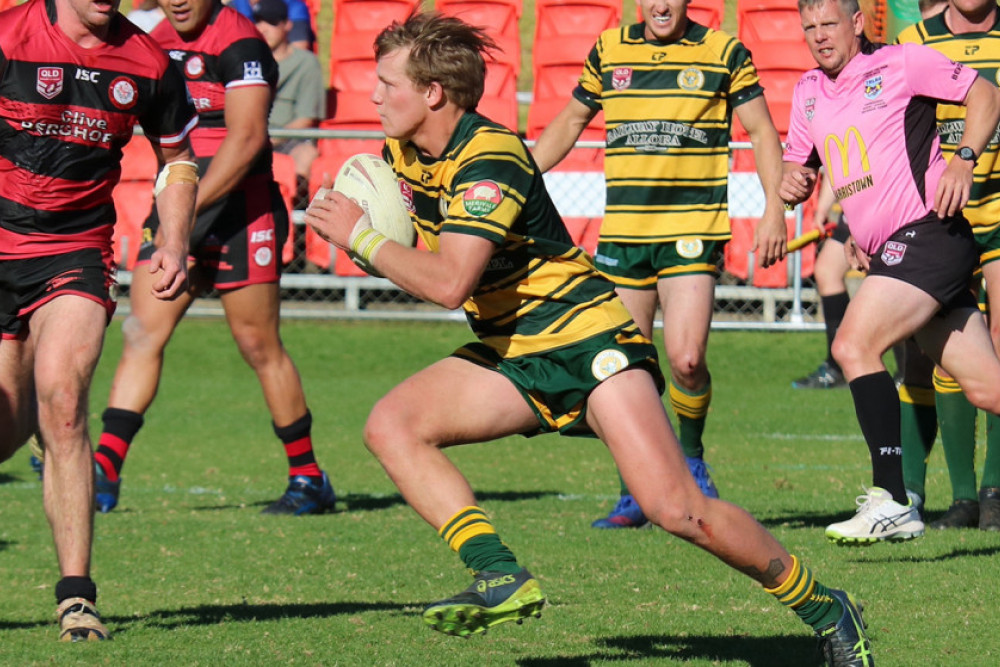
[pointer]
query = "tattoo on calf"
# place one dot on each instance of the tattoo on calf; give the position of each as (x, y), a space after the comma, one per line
(769, 577)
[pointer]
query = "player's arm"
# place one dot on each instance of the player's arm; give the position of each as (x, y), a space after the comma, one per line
(246, 114)
(557, 139)
(982, 113)
(770, 235)
(447, 277)
(176, 191)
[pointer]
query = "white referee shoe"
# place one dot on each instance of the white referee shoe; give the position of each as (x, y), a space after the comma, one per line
(879, 518)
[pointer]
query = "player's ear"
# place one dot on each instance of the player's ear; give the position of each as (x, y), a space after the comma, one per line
(435, 95)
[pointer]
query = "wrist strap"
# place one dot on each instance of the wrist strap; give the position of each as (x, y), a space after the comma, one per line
(367, 243)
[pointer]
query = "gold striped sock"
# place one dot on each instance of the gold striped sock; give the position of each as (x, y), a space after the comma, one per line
(916, 395)
(692, 406)
(797, 588)
(467, 523)
(944, 384)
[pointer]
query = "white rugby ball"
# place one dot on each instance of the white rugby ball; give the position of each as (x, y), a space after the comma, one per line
(370, 182)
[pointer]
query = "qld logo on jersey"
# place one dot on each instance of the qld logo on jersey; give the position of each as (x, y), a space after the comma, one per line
(49, 81)
(893, 253)
(482, 198)
(621, 78)
(123, 92)
(873, 87)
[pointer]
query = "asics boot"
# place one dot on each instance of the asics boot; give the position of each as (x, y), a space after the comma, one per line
(844, 643)
(493, 598)
(878, 518)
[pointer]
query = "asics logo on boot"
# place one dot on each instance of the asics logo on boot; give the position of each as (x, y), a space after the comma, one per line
(481, 586)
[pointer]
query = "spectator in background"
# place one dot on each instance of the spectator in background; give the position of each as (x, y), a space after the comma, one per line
(145, 14)
(302, 35)
(300, 99)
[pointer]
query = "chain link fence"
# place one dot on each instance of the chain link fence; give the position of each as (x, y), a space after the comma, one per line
(322, 283)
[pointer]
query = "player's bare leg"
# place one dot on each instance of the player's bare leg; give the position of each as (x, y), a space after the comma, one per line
(64, 362)
(455, 402)
(253, 314)
(650, 459)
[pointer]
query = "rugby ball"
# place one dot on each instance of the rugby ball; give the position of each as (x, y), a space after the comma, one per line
(370, 182)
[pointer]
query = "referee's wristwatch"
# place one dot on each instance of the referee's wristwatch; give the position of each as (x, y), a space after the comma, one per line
(966, 153)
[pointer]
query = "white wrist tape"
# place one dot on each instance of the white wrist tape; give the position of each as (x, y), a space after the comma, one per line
(365, 241)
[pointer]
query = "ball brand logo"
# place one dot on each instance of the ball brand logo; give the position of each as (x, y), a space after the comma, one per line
(49, 81)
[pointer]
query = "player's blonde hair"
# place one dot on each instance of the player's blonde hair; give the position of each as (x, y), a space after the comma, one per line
(443, 49)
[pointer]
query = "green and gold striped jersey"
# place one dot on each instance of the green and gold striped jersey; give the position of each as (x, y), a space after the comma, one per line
(980, 51)
(539, 291)
(667, 112)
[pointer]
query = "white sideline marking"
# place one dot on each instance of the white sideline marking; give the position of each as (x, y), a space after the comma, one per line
(809, 436)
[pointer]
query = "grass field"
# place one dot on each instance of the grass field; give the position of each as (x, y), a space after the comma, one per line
(191, 574)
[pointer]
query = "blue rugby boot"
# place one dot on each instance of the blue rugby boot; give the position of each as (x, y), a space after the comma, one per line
(844, 643)
(699, 470)
(626, 514)
(105, 491)
(304, 495)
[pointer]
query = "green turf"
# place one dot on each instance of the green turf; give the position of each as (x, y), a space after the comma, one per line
(191, 574)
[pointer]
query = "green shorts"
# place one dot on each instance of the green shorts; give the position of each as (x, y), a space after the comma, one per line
(556, 383)
(641, 265)
(988, 244)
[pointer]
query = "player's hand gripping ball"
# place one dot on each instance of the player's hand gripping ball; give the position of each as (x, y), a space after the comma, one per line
(370, 182)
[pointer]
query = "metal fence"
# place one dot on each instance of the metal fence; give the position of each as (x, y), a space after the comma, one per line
(317, 292)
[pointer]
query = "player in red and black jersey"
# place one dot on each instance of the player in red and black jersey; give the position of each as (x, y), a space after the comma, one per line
(240, 228)
(75, 78)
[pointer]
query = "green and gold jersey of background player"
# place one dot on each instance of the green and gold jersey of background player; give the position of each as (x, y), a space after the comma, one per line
(539, 291)
(667, 113)
(980, 51)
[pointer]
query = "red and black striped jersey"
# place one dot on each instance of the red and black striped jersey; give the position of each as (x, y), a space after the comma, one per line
(65, 114)
(229, 53)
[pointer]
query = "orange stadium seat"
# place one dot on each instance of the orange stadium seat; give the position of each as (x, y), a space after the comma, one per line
(287, 180)
(368, 17)
(499, 101)
(761, 20)
(133, 204)
(133, 197)
(561, 18)
(499, 19)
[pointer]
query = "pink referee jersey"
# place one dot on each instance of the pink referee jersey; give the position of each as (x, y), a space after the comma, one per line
(873, 128)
